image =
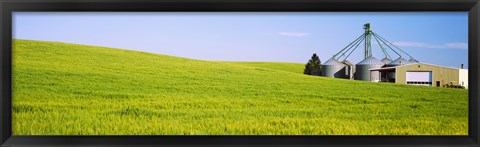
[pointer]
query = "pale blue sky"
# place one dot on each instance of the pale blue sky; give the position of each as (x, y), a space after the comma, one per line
(432, 37)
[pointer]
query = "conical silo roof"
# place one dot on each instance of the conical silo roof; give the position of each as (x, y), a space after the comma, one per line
(370, 61)
(397, 62)
(333, 62)
(386, 60)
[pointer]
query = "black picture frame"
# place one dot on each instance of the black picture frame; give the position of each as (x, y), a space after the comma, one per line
(9, 6)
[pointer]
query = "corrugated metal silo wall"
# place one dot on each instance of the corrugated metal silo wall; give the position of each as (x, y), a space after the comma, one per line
(333, 71)
(363, 72)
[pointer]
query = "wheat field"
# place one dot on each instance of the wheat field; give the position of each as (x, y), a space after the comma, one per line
(72, 89)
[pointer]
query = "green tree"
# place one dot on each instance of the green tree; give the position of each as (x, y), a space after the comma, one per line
(307, 70)
(313, 66)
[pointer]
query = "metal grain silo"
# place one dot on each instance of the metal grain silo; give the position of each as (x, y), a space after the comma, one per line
(386, 60)
(363, 69)
(333, 68)
(349, 69)
(397, 62)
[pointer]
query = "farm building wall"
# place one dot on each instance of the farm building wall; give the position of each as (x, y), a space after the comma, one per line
(463, 77)
(444, 75)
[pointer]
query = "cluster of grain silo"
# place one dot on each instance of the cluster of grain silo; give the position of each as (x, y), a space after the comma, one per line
(362, 70)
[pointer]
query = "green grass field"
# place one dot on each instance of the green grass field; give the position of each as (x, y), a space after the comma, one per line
(68, 89)
(288, 67)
